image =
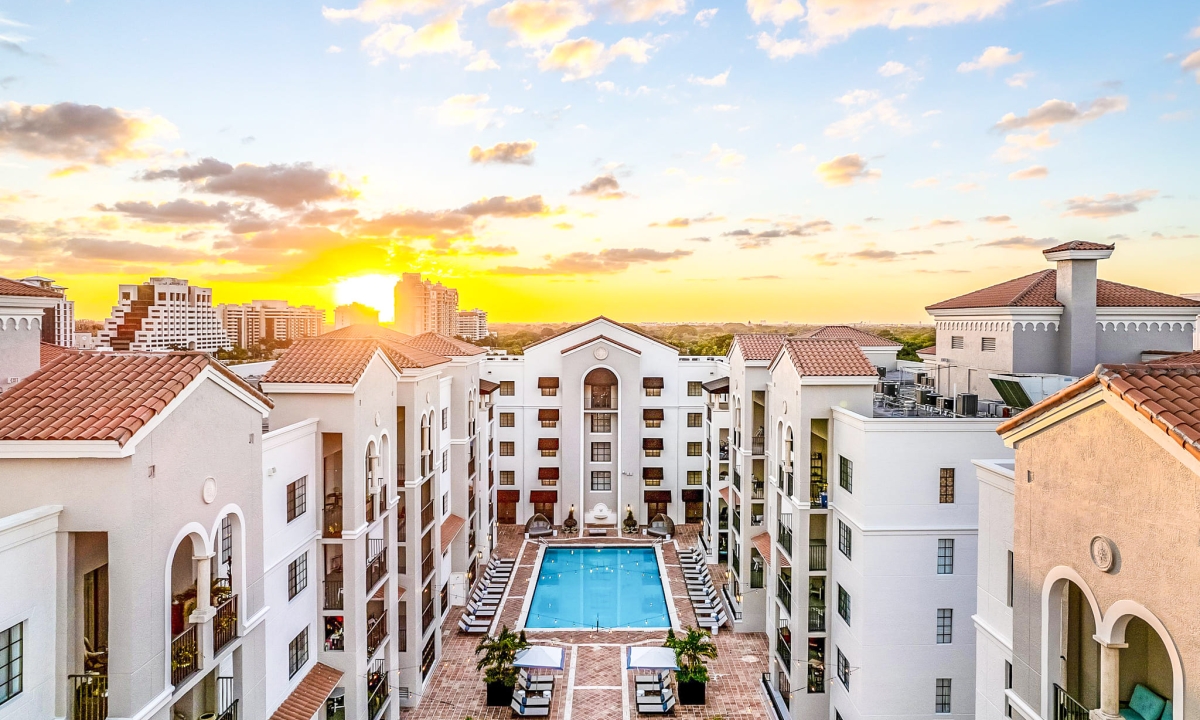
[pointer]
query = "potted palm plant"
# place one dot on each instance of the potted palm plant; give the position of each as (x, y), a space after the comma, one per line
(690, 653)
(499, 654)
(630, 524)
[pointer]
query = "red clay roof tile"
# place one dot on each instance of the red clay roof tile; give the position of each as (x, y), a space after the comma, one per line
(51, 352)
(20, 289)
(815, 357)
(450, 528)
(341, 361)
(309, 695)
(1039, 290)
(443, 345)
(758, 346)
(1077, 245)
(845, 332)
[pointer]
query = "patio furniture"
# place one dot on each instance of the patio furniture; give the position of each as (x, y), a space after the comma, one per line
(538, 526)
(471, 625)
(661, 526)
(481, 612)
(595, 531)
(656, 704)
(524, 705)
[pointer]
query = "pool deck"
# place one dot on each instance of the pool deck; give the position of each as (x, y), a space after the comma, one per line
(593, 685)
(539, 558)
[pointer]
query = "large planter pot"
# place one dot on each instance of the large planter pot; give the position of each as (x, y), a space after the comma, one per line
(499, 694)
(691, 693)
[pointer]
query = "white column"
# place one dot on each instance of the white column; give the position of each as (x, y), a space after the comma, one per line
(1110, 681)
(204, 610)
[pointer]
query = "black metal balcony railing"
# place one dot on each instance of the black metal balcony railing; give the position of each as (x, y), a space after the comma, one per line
(376, 562)
(816, 618)
(816, 555)
(333, 594)
(758, 445)
(737, 479)
(333, 521)
(383, 500)
(427, 565)
(426, 514)
(818, 494)
(230, 712)
(784, 591)
(778, 703)
(784, 533)
(426, 617)
(226, 700)
(470, 504)
(757, 489)
(816, 678)
(402, 635)
(1067, 707)
(737, 521)
(789, 484)
(225, 624)
(783, 647)
(377, 689)
(89, 697)
(376, 634)
(185, 655)
(723, 453)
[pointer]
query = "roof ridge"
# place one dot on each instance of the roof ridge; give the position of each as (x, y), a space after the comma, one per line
(1038, 278)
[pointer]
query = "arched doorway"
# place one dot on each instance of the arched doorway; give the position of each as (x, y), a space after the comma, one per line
(1071, 652)
(599, 389)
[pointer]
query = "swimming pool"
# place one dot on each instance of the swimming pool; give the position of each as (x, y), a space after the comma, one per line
(613, 587)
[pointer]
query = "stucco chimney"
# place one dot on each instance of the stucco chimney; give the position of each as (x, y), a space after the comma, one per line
(1076, 290)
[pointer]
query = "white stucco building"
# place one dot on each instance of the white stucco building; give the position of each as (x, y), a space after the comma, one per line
(163, 314)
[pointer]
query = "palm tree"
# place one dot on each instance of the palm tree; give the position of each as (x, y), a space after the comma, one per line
(499, 654)
(690, 653)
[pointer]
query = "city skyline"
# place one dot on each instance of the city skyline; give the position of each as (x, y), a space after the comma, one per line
(554, 161)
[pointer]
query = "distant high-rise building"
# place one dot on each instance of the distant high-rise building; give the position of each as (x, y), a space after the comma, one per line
(265, 320)
(354, 314)
(472, 324)
(164, 314)
(423, 306)
(58, 322)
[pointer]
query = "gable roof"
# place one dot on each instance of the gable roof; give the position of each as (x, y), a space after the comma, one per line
(341, 361)
(310, 694)
(1040, 289)
(51, 352)
(758, 346)
(444, 345)
(608, 320)
(20, 289)
(1166, 393)
(846, 332)
(928, 351)
(606, 339)
(102, 396)
(366, 330)
(818, 357)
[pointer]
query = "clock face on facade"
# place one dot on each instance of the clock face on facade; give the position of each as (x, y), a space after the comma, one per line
(1103, 553)
(600, 353)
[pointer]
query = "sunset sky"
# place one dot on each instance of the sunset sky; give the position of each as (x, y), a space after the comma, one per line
(651, 160)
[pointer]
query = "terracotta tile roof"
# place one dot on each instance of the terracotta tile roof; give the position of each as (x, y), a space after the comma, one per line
(845, 332)
(444, 345)
(487, 387)
(309, 695)
(724, 493)
(762, 542)
(94, 396)
(50, 352)
(761, 346)
(336, 361)
(931, 351)
(1077, 245)
(1192, 358)
(828, 358)
(451, 526)
(1166, 392)
(20, 289)
(606, 319)
(1039, 289)
(367, 330)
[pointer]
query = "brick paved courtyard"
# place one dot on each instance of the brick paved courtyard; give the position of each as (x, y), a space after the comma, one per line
(593, 685)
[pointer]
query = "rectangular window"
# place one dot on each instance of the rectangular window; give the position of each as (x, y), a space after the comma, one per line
(508, 419)
(508, 449)
(1007, 686)
(695, 388)
(695, 420)
(695, 449)
(1010, 578)
(508, 388)
(297, 575)
(508, 477)
(602, 480)
(549, 453)
(601, 452)
(941, 702)
(945, 626)
(695, 477)
(956, 343)
(549, 423)
(844, 604)
(946, 486)
(844, 538)
(945, 557)
(653, 392)
(297, 498)
(843, 669)
(549, 391)
(297, 653)
(988, 344)
(846, 474)
(653, 453)
(654, 423)
(602, 423)
(445, 460)
(12, 656)
(445, 418)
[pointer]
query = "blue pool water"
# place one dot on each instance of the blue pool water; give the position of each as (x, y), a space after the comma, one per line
(615, 587)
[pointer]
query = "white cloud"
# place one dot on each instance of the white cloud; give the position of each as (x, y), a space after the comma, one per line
(926, 182)
(966, 187)
(845, 170)
(585, 57)
(931, 113)
(1019, 147)
(724, 157)
(714, 81)
(373, 11)
(437, 37)
(1034, 172)
(535, 22)
(1195, 33)
(606, 86)
(798, 147)
(1019, 80)
(1056, 112)
(776, 12)
(704, 17)
(481, 61)
(465, 110)
(639, 10)
(881, 113)
(858, 97)
(992, 58)
(333, 49)
(1109, 205)
(1192, 62)
(891, 68)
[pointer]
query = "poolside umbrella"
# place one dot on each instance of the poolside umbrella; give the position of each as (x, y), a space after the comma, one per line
(540, 656)
(650, 658)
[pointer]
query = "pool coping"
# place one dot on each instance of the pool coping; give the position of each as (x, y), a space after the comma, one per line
(527, 600)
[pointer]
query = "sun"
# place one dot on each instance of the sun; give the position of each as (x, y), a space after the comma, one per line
(371, 290)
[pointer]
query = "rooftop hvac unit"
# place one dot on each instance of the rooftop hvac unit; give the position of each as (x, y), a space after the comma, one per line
(919, 378)
(890, 388)
(968, 404)
(948, 404)
(927, 396)
(881, 370)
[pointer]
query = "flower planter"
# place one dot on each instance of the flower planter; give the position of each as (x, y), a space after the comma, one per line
(691, 693)
(499, 694)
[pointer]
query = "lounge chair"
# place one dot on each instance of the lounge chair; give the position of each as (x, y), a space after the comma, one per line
(531, 708)
(656, 704)
(480, 611)
(712, 623)
(661, 526)
(657, 678)
(541, 683)
(471, 625)
(538, 526)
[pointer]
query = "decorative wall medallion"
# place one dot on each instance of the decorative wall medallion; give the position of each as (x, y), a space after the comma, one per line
(376, 419)
(1104, 553)
(785, 407)
(600, 353)
(208, 492)
(428, 397)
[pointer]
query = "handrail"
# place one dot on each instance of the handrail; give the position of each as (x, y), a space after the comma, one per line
(89, 696)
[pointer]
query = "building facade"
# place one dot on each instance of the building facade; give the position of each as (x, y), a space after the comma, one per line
(58, 322)
(163, 314)
(423, 306)
(23, 309)
(259, 321)
(472, 324)
(354, 314)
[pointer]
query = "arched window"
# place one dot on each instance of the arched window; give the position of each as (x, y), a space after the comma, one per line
(599, 389)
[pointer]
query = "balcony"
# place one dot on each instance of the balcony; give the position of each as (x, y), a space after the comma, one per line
(783, 647)
(816, 618)
(1067, 707)
(784, 533)
(757, 489)
(737, 479)
(784, 591)
(383, 500)
(376, 634)
(427, 565)
(737, 521)
(471, 468)
(225, 624)
(818, 494)
(758, 446)
(816, 555)
(778, 703)
(89, 697)
(333, 594)
(471, 503)
(333, 520)
(185, 655)
(788, 484)
(427, 515)
(370, 508)
(723, 453)
(226, 700)
(376, 562)
(816, 678)
(377, 689)
(426, 616)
